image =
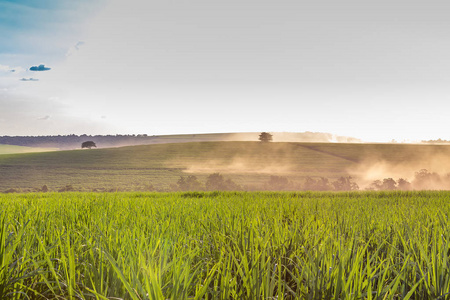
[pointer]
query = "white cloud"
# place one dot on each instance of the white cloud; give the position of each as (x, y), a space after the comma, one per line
(4, 68)
(7, 70)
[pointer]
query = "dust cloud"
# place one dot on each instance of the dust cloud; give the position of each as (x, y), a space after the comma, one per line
(371, 166)
(240, 165)
(242, 158)
(309, 137)
(423, 167)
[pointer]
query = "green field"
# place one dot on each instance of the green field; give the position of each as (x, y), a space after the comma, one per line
(11, 149)
(360, 245)
(247, 163)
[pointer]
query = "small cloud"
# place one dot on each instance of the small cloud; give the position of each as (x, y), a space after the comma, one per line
(40, 68)
(103, 117)
(75, 48)
(29, 79)
(44, 118)
(9, 69)
(4, 68)
(78, 45)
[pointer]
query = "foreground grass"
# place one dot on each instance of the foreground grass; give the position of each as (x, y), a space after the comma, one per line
(225, 246)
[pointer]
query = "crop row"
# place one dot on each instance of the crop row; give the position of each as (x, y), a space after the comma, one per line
(231, 245)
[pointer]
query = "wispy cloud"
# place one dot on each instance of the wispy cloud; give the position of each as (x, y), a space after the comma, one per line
(75, 48)
(36, 115)
(78, 45)
(5, 68)
(8, 69)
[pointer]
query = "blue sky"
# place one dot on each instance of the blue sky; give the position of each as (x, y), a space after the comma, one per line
(375, 70)
(33, 30)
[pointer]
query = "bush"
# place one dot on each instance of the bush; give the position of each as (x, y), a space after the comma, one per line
(67, 188)
(216, 182)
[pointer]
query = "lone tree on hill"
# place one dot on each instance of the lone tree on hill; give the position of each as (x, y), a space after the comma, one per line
(88, 144)
(265, 137)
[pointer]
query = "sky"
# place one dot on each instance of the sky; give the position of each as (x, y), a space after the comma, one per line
(374, 70)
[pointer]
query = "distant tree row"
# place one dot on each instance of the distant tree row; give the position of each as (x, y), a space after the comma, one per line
(438, 141)
(73, 141)
(423, 180)
(280, 183)
(216, 182)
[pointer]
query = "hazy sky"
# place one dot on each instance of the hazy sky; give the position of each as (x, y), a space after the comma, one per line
(376, 70)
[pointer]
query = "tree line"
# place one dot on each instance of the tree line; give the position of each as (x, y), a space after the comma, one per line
(217, 182)
(73, 141)
(423, 180)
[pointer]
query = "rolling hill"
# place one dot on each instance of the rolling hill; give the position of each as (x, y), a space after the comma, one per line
(247, 163)
(10, 149)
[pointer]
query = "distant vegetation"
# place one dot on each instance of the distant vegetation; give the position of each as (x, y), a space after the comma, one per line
(217, 182)
(423, 180)
(73, 141)
(88, 144)
(438, 141)
(265, 137)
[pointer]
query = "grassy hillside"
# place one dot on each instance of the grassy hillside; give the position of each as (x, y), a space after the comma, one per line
(9, 149)
(248, 163)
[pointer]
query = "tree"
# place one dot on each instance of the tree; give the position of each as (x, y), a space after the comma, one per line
(403, 184)
(216, 182)
(189, 184)
(277, 183)
(345, 184)
(310, 184)
(44, 189)
(88, 144)
(389, 184)
(265, 137)
(321, 184)
(376, 185)
(425, 180)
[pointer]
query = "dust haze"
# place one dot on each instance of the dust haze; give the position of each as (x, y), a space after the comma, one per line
(419, 167)
(426, 167)
(243, 158)
(306, 137)
(240, 165)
